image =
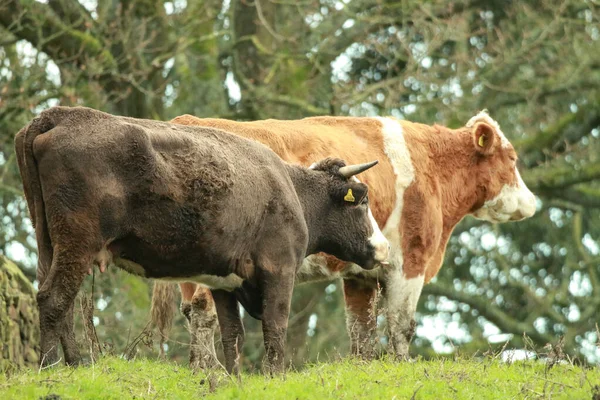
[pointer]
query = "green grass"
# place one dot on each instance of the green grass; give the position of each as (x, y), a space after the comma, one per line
(114, 378)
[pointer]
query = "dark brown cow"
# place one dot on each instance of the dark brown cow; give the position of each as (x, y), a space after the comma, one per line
(429, 178)
(167, 201)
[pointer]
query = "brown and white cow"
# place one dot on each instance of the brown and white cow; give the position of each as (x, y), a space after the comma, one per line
(429, 178)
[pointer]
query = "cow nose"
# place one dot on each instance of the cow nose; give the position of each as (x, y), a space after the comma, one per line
(378, 241)
(530, 207)
(527, 207)
(517, 216)
(382, 249)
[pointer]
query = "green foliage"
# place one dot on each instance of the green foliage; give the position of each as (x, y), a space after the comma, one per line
(486, 378)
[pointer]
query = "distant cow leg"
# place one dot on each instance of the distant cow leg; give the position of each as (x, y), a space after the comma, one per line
(187, 293)
(232, 329)
(203, 321)
(361, 317)
(401, 295)
(55, 301)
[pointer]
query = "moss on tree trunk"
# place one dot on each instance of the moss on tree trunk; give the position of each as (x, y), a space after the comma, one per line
(19, 328)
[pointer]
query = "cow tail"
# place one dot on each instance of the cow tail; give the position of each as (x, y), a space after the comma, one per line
(163, 310)
(33, 189)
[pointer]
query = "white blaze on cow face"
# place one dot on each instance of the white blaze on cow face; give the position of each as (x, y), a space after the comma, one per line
(513, 201)
(377, 239)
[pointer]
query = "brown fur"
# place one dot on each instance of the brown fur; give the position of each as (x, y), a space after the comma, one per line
(162, 312)
(361, 318)
(305, 141)
(435, 203)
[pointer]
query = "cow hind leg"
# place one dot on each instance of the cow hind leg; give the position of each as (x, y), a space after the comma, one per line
(67, 339)
(203, 322)
(361, 317)
(187, 293)
(55, 299)
(232, 329)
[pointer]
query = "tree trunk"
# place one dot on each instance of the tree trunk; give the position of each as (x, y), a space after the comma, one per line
(19, 328)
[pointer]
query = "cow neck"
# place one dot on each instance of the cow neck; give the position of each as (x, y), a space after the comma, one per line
(452, 162)
(310, 193)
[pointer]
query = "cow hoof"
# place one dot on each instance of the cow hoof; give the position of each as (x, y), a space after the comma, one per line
(402, 357)
(78, 363)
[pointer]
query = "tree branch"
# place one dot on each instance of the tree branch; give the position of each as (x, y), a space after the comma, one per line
(489, 311)
(72, 13)
(549, 180)
(583, 195)
(37, 24)
(556, 138)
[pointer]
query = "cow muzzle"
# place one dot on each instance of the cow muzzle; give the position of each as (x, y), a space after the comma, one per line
(514, 203)
(380, 244)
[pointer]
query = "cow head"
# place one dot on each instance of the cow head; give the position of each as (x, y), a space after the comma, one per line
(502, 194)
(347, 228)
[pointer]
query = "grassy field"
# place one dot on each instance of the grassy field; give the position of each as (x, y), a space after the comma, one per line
(113, 378)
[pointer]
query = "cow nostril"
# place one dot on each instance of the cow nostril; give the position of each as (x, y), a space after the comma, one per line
(517, 216)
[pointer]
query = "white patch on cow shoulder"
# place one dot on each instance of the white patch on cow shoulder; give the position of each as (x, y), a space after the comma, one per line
(401, 294)
(484, 117)
(397, 151)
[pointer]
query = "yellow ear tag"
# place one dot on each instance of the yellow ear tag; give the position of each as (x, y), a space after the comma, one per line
(348, 197)
(480, 142)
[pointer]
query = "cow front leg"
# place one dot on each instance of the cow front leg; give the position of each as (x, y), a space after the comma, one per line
(277, 297)
(361, 317)
(232, 329)
(55, 300)
(401, 294)
(203, 322)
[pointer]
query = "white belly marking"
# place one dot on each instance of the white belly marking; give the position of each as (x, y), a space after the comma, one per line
(228, 283)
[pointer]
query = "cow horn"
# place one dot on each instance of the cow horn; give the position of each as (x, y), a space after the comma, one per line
(351, 170)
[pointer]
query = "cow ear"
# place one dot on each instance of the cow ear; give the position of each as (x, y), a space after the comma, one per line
(354, 194)
(484, 137)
